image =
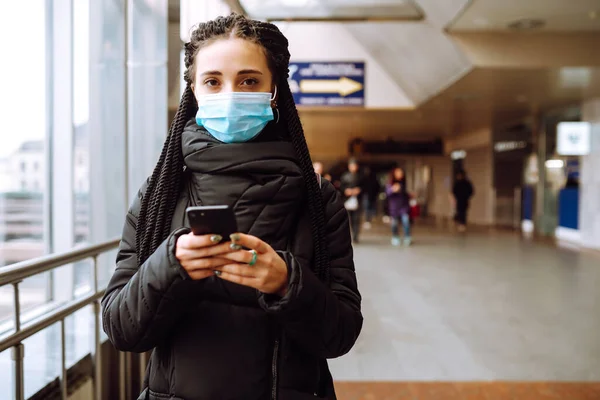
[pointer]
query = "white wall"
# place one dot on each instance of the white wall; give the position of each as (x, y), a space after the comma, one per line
(317, 41)
(441, 181)
(479, 168)
(589, 202)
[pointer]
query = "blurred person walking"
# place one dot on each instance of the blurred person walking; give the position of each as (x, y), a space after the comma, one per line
(319, 170)
(462, 192)
(399, 206)
(351, 187)
(318, 167)
(371, 192)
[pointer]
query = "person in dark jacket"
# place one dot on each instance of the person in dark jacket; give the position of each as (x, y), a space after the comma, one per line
(351, 187)
(256, 315)
(462, 192)
(371, 192)
(399, 206)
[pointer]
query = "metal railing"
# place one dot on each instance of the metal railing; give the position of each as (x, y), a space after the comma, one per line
(14, 275)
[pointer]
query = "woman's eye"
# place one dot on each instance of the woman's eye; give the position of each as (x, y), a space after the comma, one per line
(211, 82)
(249, 82)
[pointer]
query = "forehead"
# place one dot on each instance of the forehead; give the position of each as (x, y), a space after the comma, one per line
(231, 54)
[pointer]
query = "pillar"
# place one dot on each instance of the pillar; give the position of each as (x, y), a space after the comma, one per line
(589, 209)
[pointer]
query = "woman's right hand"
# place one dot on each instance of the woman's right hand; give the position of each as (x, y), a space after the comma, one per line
(199, 254)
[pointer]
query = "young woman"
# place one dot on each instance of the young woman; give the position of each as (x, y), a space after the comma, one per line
(399, 206)
(256, 315)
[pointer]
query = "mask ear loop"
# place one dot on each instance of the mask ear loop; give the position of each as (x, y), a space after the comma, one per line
(274, 104)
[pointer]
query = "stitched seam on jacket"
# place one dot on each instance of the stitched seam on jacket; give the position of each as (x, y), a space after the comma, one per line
(144, 298)
(129, 315)
(133, 215)
(334, 216)
(241, 195)
(107, 322)
(158, 394)
(267, 203)
(264, 207)
(154, 315)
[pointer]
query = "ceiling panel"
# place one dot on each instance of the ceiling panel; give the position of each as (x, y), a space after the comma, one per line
(417, 56)
(440, 13)
(332, 9)
(508, 89)
(556, 15)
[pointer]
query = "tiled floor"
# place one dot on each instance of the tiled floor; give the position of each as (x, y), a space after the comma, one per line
(467, 391)
(476, 307)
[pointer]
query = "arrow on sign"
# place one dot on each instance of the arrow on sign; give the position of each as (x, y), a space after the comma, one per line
(343, 86)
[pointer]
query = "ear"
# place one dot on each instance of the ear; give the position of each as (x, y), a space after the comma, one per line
(274, 97)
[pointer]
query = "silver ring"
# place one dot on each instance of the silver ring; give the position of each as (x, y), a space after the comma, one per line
(218, 273)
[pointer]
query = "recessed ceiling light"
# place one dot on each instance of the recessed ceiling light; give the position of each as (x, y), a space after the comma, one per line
(527, 24)
(593, 14)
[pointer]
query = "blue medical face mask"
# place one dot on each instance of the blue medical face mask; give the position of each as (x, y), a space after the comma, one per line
(234, 117)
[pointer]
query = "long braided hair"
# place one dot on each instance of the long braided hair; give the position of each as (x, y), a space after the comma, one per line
(160, 199)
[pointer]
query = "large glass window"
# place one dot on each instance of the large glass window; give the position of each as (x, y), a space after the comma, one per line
(23, 105)
(23, 159)
(63, 152)
(147, 103)
(81, 140)
(107, 125)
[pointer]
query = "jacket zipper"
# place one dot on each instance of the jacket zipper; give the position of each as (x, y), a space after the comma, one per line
(274, 370)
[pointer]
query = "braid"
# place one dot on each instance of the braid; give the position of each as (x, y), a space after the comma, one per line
(276, 45)
(160, 198)
(316, 207)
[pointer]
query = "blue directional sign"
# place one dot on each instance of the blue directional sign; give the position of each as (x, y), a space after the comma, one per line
(328, 83)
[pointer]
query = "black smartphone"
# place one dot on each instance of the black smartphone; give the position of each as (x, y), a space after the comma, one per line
(207, 220)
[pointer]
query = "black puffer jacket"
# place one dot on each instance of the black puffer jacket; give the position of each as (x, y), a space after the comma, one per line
(217, 340)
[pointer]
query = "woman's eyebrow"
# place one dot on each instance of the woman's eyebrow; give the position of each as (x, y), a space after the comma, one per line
(249, 71)
(211, 73)
(242, 72)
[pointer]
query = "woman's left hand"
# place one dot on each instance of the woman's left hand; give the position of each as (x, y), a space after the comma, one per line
(260, 267)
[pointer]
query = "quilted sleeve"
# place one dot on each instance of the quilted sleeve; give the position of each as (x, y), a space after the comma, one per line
(324, 319)
(143, 302)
